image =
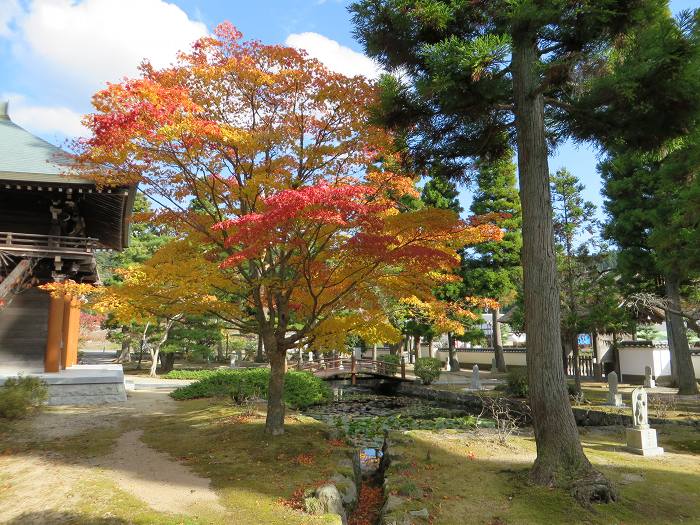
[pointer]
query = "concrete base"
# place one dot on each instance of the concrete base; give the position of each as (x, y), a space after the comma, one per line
(642, 441)
(84, 385)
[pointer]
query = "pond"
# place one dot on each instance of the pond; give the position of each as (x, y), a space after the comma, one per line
(364, 417)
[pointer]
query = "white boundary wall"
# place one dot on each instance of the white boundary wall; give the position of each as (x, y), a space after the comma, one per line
(484, 358)
(634, 359)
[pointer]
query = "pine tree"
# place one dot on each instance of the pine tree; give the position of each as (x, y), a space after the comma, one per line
(651, 182)
(647, 200)
(493, 269)
(478, 72)
(574, 228)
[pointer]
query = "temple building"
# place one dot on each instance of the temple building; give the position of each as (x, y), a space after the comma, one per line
(51, 226)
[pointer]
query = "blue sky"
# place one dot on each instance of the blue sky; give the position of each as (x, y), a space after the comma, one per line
(56, 53)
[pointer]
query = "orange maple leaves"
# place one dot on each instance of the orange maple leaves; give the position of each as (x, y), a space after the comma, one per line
(270, 163)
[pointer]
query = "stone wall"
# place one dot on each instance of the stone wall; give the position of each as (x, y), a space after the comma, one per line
(86, 394)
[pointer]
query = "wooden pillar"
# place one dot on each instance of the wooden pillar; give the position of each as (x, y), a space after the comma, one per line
(64, 331)
(54, 341)
(71, 329)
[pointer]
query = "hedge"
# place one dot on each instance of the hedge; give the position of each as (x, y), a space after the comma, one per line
(301, 389)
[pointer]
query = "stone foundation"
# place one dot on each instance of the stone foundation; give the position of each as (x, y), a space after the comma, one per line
(84, 385)
(87, 394)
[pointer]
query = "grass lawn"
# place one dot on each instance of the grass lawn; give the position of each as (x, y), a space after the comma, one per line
(73, 480)
(469, 478)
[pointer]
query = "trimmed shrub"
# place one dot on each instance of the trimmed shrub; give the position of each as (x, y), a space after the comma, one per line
(428, 369)
(191, 374)
(20, 395)
(301, 389)
(517, 383)
(392, 361)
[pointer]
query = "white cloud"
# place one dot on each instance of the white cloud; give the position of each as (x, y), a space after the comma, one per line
(95, 41)
(44, 120)
(9, 10)
(334, 56)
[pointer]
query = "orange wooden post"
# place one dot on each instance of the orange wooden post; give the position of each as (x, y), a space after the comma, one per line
(71, 331)
(64, 331)
(403, 367)
(54, 340)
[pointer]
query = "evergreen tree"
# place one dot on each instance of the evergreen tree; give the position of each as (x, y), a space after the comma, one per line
(478, 72)
(493, 269)
(652, 224)
(441, 193)
(651, 182)
(574, 228)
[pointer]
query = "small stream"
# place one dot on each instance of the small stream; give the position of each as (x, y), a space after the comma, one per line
(363, 416)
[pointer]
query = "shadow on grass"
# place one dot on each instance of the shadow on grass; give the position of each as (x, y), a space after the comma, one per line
(252, 471)
(467, 479)
(60, 518)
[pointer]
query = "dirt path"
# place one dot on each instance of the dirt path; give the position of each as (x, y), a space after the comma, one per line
(152, 476)
(36, 484)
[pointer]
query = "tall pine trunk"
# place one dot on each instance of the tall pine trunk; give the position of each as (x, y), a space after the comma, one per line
(687, 384)
(497, 341)
(277, 354)
(560, 458)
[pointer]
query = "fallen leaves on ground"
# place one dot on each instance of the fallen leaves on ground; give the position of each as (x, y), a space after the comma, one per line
(369, 505)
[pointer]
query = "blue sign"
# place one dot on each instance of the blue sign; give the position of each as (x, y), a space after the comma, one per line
(584, 340)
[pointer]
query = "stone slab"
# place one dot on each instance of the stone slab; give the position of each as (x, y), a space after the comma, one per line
(642, 441)
(80, 374)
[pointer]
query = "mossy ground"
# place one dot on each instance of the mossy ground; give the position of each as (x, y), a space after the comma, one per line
(251, 474)
(468, 478)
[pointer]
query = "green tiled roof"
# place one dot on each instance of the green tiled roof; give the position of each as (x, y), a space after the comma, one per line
(24, 157)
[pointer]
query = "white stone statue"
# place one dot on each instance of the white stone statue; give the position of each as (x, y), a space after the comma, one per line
(641, 439)
(640, 412)
(476, 382)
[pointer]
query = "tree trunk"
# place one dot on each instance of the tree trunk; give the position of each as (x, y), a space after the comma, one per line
(374, 352)
(416, 348)
(142, 345)
(451, 352)
(431, 347)
(260, 356)
(167, 362)
(560, 458)
(220, 351)
(565, 351)
(125, 352)
(616, 357)
(687, 384)
(672, 350)
(577, 365)
(274, 423)
(497, 342)
(155, 350)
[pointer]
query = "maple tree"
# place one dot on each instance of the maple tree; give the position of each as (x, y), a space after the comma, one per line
(281, 193)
